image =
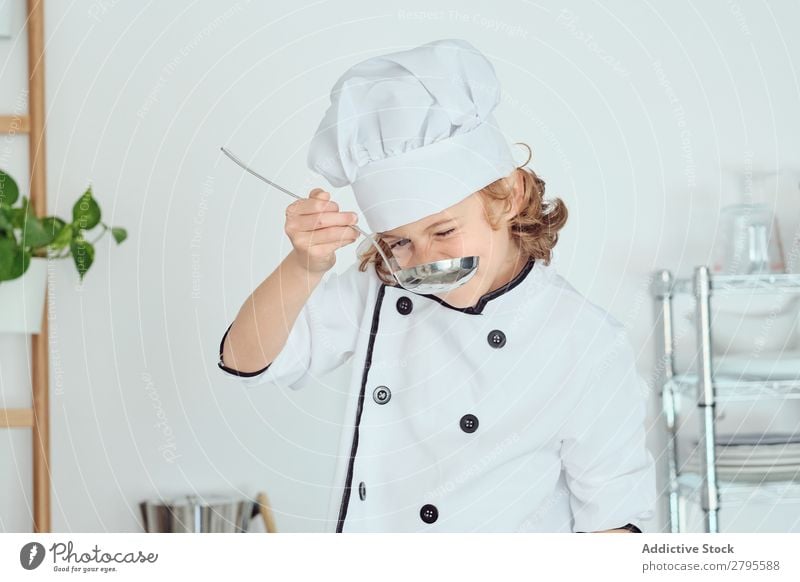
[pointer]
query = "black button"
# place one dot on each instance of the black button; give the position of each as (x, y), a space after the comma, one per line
(404, 305)
(469, 423)
(429, 513)
(496, 338)
(362, 491)
(381, 395)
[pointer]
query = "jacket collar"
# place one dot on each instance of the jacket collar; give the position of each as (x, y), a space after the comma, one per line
(477, 309)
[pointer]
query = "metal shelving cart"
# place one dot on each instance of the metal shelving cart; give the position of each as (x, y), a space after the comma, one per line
(709, 391)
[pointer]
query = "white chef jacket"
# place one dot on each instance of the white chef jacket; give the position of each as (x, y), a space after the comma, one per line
(522, 413)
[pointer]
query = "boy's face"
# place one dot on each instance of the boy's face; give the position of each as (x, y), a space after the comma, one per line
(459, 231)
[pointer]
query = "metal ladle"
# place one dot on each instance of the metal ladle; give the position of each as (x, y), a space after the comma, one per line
(436, 277)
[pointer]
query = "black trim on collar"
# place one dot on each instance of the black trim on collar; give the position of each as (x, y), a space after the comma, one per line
(231, 370)
(354, 447)
(477, 309)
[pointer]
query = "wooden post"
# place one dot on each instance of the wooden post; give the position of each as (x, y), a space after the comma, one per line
(39, 342)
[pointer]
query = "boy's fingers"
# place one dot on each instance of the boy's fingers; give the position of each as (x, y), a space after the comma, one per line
(318, 200)
(316, 221)
(328, 234)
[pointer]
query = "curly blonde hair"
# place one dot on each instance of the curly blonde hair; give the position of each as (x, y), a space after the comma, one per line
(534, 229)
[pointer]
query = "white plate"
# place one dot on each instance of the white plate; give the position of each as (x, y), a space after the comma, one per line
(747, 470)
(785, 455)
(773, 453)
(758, 476)
(755, 304)
(789, 466)
(777, 454)
(755, 463)
(729, 460)
(780, 365)
(757, 439)
(784, 449)
(755, 475)
(722, 461)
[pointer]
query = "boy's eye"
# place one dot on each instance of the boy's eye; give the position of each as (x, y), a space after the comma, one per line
(402, 242)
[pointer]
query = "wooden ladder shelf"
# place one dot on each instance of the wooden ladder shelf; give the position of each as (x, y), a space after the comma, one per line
(37, 417)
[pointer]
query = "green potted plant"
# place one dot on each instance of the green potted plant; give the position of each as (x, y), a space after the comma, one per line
(26, 244)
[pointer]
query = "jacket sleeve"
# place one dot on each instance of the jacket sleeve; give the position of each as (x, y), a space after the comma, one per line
(609, 470)
(322, 338)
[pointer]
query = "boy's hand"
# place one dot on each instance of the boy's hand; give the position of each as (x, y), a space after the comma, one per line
(317, 228)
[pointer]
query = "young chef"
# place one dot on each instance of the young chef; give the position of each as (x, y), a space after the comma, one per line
(511, 403)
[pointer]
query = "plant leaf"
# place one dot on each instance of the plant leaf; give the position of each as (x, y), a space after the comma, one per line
(18, 214)
(63, 238)
(22, 260)
(83, 254)
(14, 261)
(86, 212)
(34, 234)
(9, 191)
(5, 219)
(7, 251)
(53, 225)
(119, 233)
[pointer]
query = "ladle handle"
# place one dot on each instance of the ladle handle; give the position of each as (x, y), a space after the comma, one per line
(292, 194)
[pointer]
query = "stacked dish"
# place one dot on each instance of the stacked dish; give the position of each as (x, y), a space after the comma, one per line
(753, 458)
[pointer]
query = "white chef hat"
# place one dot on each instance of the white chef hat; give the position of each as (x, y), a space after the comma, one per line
(413, 132)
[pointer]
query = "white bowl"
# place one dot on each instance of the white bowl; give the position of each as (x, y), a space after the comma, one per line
(752, 323)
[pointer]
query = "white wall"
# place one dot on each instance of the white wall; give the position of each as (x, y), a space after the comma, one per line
(632, 110)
